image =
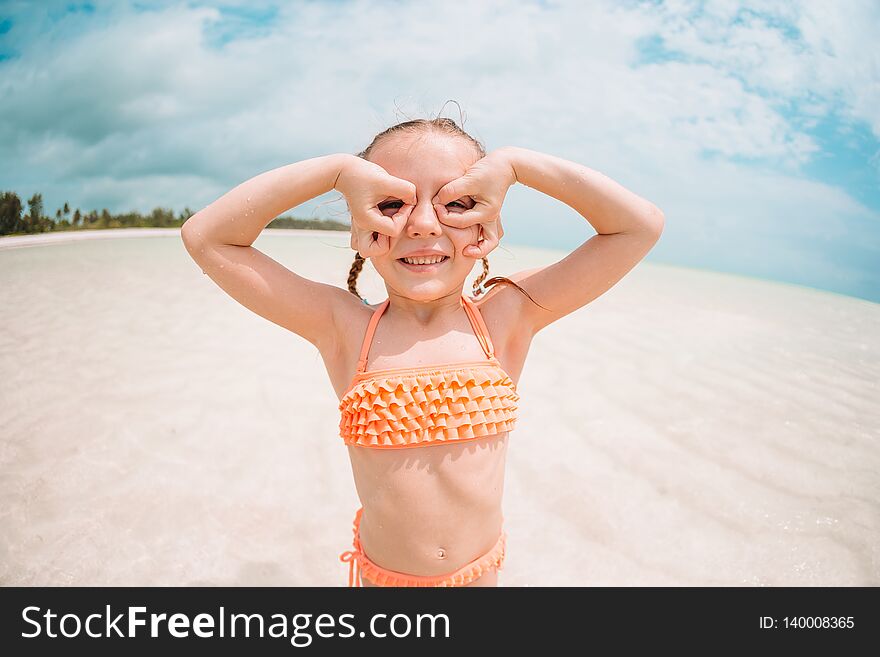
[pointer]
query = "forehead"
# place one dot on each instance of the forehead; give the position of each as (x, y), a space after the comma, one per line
(427, 160)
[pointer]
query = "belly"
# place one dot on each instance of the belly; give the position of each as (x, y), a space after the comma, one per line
(430, 510)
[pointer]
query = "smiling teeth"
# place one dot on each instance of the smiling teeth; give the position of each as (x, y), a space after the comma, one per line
(424, 260)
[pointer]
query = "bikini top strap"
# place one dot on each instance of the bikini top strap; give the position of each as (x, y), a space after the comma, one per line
(368, 336)
(476, 319)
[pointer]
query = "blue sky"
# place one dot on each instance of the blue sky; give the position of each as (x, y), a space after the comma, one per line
(754, 126)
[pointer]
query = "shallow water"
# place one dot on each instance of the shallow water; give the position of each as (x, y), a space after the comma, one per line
(686, 428)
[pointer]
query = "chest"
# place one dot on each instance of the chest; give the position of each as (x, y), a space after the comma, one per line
(392, 347)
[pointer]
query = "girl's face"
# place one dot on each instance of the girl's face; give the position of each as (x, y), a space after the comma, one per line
(429, 161)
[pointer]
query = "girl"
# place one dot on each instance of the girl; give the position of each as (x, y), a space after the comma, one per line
(426, 380)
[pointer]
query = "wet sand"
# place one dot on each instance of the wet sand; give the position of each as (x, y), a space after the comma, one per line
(712, 429)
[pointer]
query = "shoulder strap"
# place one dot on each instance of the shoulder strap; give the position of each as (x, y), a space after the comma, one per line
(368, 336)
(476, 319)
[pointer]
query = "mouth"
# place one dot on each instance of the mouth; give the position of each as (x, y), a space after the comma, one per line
(423, 264)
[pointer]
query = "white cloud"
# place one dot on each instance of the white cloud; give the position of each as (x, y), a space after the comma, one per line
(833, 59)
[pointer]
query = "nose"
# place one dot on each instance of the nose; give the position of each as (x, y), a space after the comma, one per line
(423, 220)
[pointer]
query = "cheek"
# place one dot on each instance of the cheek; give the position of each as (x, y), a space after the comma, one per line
(383, 265)
(463, 237)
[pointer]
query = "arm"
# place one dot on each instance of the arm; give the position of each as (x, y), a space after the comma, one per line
(628, 226)
(219, 237)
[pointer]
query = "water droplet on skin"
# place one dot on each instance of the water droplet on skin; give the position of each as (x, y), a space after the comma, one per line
(248, 199)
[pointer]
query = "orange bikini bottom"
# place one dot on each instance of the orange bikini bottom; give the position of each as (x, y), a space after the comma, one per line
(361, 566)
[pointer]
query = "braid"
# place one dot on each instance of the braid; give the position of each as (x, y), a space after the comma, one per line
(479, 280)
(356, 267)
(479, 285)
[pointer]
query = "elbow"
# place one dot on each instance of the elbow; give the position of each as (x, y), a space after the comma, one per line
(189, 231)
(191, 236)
(186, 236)
(188, 239)
(648, 223)
(656, 219)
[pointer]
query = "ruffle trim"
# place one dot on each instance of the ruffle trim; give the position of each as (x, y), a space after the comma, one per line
(361, 567)
(408, 409)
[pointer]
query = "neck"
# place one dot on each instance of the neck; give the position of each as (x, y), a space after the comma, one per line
(424, 311)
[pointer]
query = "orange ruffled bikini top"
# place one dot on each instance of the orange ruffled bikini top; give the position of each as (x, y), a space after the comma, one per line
(413, 406)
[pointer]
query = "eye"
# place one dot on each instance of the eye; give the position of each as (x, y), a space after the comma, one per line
(397, 204)
(465, 202)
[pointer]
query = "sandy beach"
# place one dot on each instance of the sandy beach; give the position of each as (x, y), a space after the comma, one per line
(712, 429)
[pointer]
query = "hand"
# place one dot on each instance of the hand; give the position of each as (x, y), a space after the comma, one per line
(486, 182)
(365, 184)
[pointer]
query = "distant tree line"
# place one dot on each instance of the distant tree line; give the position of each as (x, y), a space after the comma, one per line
(14, 221)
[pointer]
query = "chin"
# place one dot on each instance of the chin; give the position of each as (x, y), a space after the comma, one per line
(428, 289)
(421, 287)
(425, 291)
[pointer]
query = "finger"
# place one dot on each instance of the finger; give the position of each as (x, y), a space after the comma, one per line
(380, 223)
(400, 218)
(490, 239)
(476, 215)
(442, 214)
(472, 249)
(403, 190)
(373, 243)
(458, 219)
(472, 240)
(454, 190)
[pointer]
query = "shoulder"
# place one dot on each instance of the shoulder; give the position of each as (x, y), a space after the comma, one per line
(502, 308)
(350, 309)
(505, 299)
(515, 302)
(350, 314)
(343, 338)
